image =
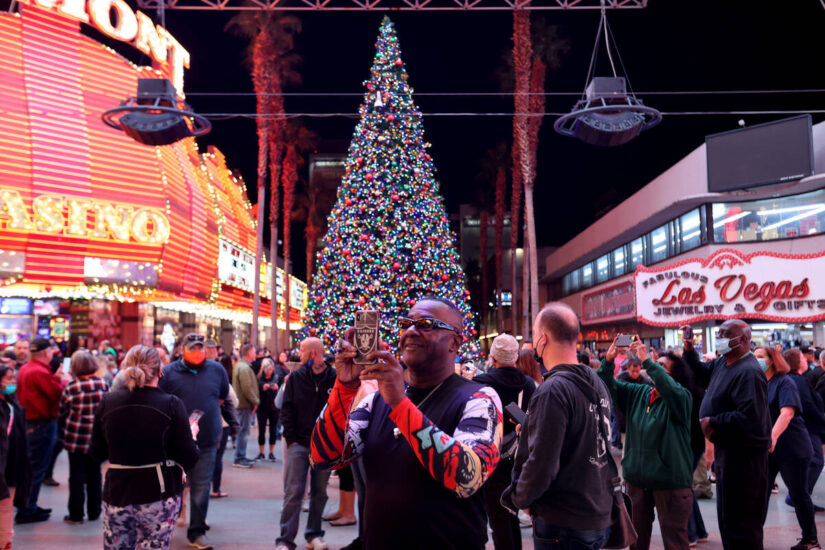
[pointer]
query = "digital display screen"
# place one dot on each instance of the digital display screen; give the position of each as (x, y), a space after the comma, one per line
(15, 306)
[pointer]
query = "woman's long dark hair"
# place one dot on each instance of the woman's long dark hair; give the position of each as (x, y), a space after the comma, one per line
(683, 374)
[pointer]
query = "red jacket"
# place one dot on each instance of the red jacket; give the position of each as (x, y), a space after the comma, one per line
(38, 391)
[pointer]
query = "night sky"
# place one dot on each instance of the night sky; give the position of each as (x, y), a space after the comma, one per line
(673, 45)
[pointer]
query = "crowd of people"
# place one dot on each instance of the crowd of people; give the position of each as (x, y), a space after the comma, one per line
(430, 451)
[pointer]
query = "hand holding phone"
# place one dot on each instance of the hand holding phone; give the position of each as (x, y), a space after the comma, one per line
(515, 413)
(366, 336)
(625, 340)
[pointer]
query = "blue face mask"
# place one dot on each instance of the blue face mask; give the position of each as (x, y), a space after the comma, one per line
(762, 363)
(9, 390)
(309, 363)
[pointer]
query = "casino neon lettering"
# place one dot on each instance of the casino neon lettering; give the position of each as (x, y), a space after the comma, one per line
(82, 218)
(117, 20)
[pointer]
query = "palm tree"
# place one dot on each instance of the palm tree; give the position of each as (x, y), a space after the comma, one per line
(534, 50)
(272, 63)
(522, 58)
(298, 140)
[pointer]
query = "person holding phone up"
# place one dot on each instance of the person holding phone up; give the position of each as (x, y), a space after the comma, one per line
(426, 449)
(658, 459)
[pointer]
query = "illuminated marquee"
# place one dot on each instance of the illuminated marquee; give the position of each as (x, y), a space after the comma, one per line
(731, 285)
(55, 215)
(117, 20)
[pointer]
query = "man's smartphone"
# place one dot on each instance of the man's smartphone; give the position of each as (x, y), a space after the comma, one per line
(515, 413)
(67, 365)
(366, 336)
(624, 340)
(687, 332)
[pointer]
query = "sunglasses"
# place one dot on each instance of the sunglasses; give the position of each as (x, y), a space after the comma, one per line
(426, 323)
(195, 339)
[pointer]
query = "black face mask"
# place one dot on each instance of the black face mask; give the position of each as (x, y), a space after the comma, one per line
(536, 355)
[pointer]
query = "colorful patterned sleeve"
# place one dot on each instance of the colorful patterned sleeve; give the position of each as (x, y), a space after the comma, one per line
(337, 438)
(463, 461)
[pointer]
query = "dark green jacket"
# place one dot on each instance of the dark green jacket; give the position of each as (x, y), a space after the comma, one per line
(657, 446)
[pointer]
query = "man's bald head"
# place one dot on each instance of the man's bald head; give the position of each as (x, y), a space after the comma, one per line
(447, 310)
(312, 349)
(560, 322)
(736, 328)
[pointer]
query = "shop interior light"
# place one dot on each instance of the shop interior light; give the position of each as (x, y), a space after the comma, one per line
(155, 116)
(788, 209)
(816, 210)
(731, 218)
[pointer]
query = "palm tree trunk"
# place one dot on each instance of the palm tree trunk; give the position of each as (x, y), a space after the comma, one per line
(289, 176)
(259, 252)
(526, 327)
(273, 289)
(483, 265)
(501, 184)
(531, 238)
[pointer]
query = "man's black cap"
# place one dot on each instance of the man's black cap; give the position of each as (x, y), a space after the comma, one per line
(191, 339)
(40, 344)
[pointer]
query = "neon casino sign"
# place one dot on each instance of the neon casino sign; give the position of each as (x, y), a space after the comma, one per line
(117, 20)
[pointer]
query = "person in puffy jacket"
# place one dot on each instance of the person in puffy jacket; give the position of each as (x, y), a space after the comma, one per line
(658, 459)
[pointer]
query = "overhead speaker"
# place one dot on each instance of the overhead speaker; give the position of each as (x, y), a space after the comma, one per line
(155, 116)
(608, 115)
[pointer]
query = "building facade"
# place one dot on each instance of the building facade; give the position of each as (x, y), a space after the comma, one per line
(677, 253)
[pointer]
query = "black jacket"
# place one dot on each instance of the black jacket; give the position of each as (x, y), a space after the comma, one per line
(508, 383)
(141, 427)
(561, 471)
(14, 453)
(305, 395)
(267, 403)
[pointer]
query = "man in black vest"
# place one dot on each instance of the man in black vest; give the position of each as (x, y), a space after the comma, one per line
(427, 449)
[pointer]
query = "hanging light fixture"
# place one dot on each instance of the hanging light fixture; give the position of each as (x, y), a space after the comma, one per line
(155, 116)
(607, 114)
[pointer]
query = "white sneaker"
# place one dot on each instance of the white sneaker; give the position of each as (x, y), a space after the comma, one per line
(524, 518)
(317, 544)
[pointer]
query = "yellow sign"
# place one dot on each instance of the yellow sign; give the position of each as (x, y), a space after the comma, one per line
(117, 20)
(56, 215)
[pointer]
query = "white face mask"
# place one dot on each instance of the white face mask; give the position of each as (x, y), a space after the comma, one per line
(723, 345)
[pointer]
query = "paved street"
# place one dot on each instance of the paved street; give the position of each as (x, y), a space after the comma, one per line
(248, 519)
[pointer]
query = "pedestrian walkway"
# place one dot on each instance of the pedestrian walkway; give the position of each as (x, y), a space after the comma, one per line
(249, 518)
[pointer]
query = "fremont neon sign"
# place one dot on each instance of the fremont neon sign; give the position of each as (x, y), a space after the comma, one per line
(56, 215)
(117, 20)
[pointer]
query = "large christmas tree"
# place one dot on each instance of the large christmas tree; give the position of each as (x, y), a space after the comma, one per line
(388, 242)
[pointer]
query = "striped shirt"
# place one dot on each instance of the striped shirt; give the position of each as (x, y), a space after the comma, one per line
(77, 410)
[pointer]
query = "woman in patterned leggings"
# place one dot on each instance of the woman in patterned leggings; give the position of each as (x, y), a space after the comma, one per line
(146, 436)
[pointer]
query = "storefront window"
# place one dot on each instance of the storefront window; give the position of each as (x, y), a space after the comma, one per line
(603, 269)
(619, 262)
(587, 275)
(658, 244)
(690, 226)
(769, 219)
(637, 253)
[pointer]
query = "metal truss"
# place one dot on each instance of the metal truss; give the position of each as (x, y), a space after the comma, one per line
(390, 5)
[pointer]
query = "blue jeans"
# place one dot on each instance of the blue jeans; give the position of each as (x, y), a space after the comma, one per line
(245, 420)
(41, 436)
(551, 537)
(295, 482)
(218, 471)
(200, 476)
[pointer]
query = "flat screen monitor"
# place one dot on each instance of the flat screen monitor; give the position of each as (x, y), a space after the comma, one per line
(15, 306)
(50, 306)
(760, 155)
